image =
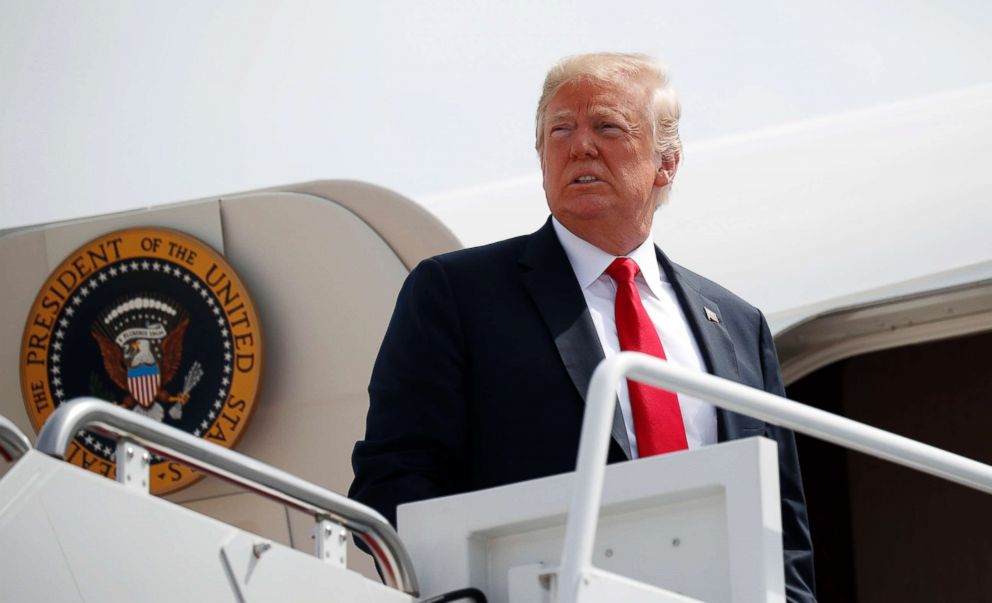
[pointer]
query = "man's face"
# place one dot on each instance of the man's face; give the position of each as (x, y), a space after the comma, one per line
(601, 173)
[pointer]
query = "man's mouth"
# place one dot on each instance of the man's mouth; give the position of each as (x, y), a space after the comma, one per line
(585, 180)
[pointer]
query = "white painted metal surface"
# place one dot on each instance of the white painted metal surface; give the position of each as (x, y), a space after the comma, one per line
(601, 587)
(705, 523)
(933, 311)
(73, 536)
(83, 413)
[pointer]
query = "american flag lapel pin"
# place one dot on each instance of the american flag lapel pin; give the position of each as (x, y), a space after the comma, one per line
(711, 315)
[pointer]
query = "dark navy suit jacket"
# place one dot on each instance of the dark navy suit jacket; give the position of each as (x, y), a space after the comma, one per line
(483, 371)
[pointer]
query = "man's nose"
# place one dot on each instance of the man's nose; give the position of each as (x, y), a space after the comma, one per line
(583, 144)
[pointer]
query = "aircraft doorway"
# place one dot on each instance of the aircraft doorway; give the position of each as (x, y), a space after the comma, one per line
(882, 532)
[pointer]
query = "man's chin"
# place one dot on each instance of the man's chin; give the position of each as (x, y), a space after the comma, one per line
(583, 221)
(584, 207)
(585, 218)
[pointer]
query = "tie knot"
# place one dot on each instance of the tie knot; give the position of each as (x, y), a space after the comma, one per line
(623, 270)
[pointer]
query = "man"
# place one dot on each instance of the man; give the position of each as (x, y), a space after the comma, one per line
(483, 371)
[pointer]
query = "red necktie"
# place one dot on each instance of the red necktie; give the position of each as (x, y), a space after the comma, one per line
(657, 415)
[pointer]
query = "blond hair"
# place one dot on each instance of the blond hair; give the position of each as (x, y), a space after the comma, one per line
(617, 69)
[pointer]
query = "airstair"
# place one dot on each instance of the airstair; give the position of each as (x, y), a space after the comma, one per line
(700, 525)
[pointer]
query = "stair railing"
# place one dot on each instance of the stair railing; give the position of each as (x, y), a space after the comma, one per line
(134, 432)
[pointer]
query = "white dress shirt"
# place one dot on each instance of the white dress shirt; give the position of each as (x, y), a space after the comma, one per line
(589, 264)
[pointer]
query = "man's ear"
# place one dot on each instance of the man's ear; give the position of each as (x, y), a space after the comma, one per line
(666, 171)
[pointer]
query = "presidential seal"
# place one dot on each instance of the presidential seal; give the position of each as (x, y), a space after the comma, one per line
(154, 321)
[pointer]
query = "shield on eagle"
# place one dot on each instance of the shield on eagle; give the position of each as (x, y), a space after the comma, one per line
(143, 383)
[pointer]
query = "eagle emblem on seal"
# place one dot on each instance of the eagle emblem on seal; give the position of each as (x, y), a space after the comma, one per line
(154, 321)
(141, 342)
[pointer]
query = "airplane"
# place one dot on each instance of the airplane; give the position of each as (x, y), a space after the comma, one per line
(863, 236)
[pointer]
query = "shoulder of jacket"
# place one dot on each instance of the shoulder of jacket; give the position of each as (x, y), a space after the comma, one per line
(720, 295)
(474, 257)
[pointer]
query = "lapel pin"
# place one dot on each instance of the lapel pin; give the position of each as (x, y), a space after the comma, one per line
(711, 315)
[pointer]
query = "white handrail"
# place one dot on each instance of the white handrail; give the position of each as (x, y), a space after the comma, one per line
(13, 443)
(580, 531)
(116, 422)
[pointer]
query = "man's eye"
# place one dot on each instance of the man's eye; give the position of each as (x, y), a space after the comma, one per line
(559, 130)
(611, 128)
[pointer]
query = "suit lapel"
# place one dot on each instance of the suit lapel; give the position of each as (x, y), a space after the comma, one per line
(548, 277)
(707, 325)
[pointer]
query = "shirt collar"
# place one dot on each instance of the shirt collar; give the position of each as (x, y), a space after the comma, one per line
(589, 262)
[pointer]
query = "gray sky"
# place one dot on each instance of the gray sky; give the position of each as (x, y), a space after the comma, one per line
(111, 105)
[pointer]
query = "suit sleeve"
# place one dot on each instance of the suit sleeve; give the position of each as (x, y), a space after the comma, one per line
(797, 545)
(416, 429)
